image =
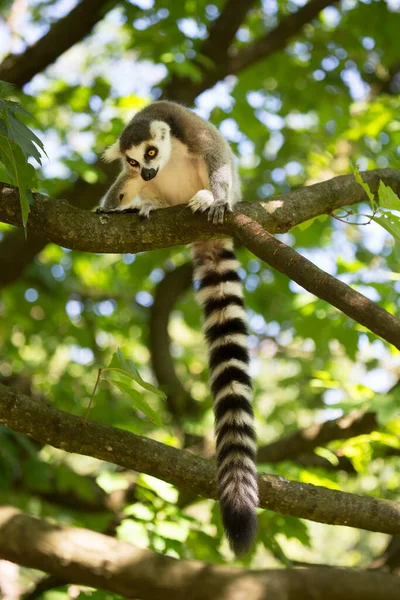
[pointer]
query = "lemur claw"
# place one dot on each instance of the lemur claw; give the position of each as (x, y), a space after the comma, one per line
(217, 211)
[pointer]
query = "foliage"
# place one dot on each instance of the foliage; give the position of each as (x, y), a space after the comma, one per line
(304, 114)
(125, 371)
(388, 203)
(17, 144)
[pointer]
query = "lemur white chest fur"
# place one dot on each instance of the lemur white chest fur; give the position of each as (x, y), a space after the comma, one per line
(176, 183)
(169, 156)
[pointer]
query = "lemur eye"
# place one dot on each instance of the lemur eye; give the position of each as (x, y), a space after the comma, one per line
(132, 162)
(152, 152)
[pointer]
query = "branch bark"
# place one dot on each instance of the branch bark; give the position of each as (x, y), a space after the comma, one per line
(79, 230)
(62, 430)
(88, 558)
(18, 69)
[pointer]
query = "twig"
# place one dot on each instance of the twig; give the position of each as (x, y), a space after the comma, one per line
(99, 372)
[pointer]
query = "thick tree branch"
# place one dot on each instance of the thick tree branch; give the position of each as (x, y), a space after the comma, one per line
(62, 430)
(18, 69)
(305, 440)
(79, 230)
(88, 558)
(325, 286)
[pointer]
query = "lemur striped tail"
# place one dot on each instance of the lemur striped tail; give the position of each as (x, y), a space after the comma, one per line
(220, 293)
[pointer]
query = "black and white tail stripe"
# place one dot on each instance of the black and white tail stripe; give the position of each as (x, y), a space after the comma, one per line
(220, 293)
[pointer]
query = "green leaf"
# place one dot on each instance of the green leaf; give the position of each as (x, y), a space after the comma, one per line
(389, 222)
(306, 224)
(365, 187)
(138, 402)
(387, 198)
(120, 363)
(21, 173)
(24, 137)
(6, 89)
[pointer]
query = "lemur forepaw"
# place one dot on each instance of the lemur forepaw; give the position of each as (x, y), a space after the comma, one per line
(204, 201)
(201, 201)
(217, 211)
(143, 207)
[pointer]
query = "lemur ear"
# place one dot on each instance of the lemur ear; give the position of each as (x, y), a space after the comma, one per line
(159, 130)
(112, 153)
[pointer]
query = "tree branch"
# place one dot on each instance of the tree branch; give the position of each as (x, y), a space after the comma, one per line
(315, 280)
(62, 430)
(305, 440)
(228, 59)
(278, 38)
(389, 560)
(215, 47)
(166, 294)
(18, 69)
(88, 558)
(222, 32)
(79, 230)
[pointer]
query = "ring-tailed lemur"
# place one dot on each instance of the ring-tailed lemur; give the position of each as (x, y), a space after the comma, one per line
(170, 156)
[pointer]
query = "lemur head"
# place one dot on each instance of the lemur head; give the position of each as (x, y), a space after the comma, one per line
(144, 148)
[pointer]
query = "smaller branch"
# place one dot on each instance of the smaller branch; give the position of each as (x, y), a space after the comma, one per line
(305, 440)
(229, 60)
(215, 47)
(223, 30)
(166, 294)
(91, 397)
(89, 558)
(309, 276)
(389, 560)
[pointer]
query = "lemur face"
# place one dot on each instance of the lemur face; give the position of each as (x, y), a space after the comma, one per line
(148, 156)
